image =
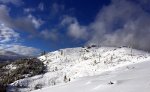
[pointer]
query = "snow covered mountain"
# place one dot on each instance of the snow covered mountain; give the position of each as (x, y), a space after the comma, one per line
(69, 65)
(8, 55)
(131, 78)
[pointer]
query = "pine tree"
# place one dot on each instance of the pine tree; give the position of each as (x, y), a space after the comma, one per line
(43, 53)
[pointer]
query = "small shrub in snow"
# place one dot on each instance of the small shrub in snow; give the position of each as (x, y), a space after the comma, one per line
(69, 79)
(111, 83)
(85, 58)
(52, 82)
(95, 62)
(38, 86)
(61, 52)
(65, 78)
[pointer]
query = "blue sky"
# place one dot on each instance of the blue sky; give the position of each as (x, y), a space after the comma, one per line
(31, 26)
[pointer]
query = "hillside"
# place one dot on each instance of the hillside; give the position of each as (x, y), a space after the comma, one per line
(19, 69)
(131, 78)
(67, 65)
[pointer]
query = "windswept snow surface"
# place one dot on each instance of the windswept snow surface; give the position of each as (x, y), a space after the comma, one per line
(132, 78)
(68, 65)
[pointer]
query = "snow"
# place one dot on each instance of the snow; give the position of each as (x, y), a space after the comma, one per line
(11, 67)
(131, 78)
(85, 70)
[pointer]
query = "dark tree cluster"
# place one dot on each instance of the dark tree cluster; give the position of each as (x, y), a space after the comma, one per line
(24, 68)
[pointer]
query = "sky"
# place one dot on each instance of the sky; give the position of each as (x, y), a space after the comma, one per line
(28, 27)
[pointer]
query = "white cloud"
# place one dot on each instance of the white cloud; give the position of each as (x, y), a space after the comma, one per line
(68, 20)
(50, 34)
(24, 23)
(41, 6)
(75, 30)
(7, 34)
(8, 38)
(20, 49)
(37, 22)
(29, 10)
(57, 8)
(16, 2)
(123, 22)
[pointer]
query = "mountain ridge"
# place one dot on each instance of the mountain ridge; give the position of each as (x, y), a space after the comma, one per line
(9, 56)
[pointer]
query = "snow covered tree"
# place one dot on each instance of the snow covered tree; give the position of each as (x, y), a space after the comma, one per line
(65, 78)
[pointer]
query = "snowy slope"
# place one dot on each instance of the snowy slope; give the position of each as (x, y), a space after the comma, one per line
(67, 65)
(131, 78)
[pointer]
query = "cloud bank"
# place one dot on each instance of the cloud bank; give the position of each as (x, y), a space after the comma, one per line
(15, 2)
(75, 30)
(7, 34)
(9, 42)
(20, 49)
(122, 23)
(10, 38)
(29, 23)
